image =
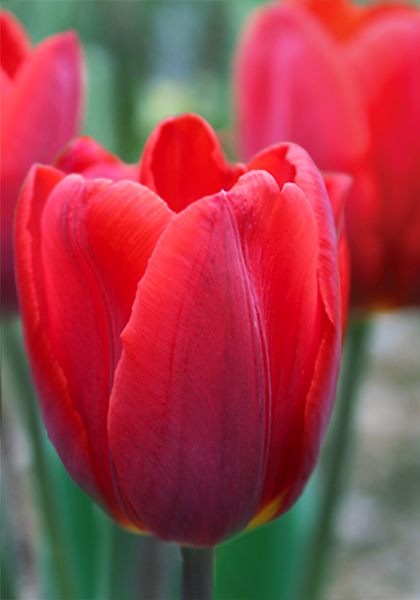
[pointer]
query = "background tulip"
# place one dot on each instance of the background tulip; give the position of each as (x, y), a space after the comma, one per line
(184, 338)
(41, 91)
(343, 80)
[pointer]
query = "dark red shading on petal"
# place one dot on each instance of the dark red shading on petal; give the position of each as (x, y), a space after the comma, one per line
(90, 159)
(183, 161)
(190, 409)
(290, 85)
(15, 45)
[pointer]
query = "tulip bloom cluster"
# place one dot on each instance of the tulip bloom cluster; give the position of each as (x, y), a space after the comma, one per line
(343, 80)
(41, 92)
(183, 330)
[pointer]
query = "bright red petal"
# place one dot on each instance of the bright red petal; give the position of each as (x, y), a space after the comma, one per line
(15, 45)
(90, 159)
(189, 414)
(65, 427)
(94, 244)
(274, 161)
(290, 84)
(183, 161)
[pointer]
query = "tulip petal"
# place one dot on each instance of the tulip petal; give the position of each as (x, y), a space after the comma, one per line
(183, 161)
(190, 409)
(6, 87)
(64, 425)
(320, 396)
(391, 83)
(273, 160)
(286, 258)
(338, 186)
(291, 163)
(95, 241)
(90, 159)
(291, 85)
(44, 113)
(300, 327)
(14, 43)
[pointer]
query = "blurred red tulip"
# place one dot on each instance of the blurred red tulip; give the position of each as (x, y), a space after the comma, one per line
(183, 333)
(343, 80)
(41, 91)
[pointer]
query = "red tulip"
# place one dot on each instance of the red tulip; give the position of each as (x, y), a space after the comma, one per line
(183, 333)
(41, 92)
(343, 80)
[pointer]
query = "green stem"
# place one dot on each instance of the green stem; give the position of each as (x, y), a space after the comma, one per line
(334, 470)
(16, 359)
(197, 573)
(154, 570)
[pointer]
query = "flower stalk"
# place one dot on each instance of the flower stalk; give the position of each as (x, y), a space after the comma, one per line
(197, 573)
(334, 470)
